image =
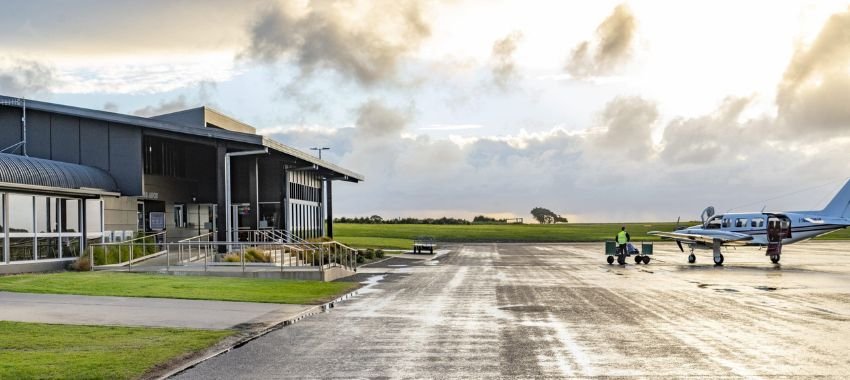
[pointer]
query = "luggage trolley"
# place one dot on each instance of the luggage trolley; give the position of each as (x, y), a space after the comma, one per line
(641, 256)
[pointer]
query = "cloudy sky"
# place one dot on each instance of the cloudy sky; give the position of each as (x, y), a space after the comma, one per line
(600, 111)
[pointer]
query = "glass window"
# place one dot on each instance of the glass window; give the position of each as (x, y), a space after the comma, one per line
(757, 222)
(94, 224)
(2, 218)
(48, 247)
(46, 215)
(20, 214)
(70, 215)
(21, 248)
(741, 222)
(726, 223)
(70, 247)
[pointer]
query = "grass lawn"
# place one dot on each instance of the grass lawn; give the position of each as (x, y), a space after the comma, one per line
(401, 235)
(44, 351)
(185, 287)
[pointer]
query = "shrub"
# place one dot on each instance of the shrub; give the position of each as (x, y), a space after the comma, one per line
(360, 259)
(370, 254)
(232, 258)
(379, 253)
(254, 255)
(83, 264)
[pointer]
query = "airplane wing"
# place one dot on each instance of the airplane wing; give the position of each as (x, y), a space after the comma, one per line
(705, 236)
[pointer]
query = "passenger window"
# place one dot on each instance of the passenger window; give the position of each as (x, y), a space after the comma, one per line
(741, 222)
(757, 222)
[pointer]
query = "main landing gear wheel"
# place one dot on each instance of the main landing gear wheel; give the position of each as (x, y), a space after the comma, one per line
(638, 259)
(692, 259)
(774, 259)
(621, 260)
(610, 260)
(718, 260)
(646, 259)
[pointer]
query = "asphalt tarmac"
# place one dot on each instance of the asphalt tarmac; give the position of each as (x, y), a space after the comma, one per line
(558, 310)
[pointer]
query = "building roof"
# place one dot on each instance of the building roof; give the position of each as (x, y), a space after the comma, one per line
(169, 126)
(41, 173)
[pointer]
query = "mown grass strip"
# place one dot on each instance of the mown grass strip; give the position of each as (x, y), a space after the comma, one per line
(46, 351)
(182, 287)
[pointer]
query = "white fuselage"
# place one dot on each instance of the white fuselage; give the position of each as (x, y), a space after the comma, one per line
(802, 226)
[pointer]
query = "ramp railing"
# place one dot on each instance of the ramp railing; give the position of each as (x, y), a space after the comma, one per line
(127, 252)
(202, 253)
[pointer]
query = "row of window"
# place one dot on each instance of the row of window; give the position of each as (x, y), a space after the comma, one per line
(35, 227)
(738, 223)
(164, 157)
(305, 193)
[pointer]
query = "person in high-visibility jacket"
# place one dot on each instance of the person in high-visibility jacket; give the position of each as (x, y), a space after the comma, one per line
(623, 240)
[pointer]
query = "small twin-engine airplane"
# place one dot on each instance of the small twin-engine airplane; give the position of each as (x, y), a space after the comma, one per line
(762, 229)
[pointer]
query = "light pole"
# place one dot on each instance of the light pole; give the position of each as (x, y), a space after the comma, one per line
(320, 149)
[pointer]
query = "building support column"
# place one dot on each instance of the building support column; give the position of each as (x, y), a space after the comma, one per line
(286, 205)
(329, 207)
(221, 201)
(254, 193)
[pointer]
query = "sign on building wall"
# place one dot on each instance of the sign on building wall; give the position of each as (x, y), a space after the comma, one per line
(156, 221)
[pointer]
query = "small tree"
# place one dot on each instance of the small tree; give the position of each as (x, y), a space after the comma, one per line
(546, 216)
(376, 219)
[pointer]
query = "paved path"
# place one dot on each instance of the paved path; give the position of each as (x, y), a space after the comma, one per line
(543, 311)
(133, 311)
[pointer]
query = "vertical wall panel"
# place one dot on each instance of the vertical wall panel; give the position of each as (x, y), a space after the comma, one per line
(65, 138)
(10, 126)
(125, 158)
(38, 134)
(94, 143)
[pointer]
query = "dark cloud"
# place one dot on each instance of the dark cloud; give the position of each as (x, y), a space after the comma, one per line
(502, 56)
(609, 50)
(110, 106)
(813, 92)
(326, 35)
(705, 139)
(376, 120)
(178, 104)
(24, 78)
(627, 124)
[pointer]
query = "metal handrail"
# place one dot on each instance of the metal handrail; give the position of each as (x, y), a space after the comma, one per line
(163, 233)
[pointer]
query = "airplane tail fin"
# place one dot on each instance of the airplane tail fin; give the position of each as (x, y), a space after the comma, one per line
(839, 206)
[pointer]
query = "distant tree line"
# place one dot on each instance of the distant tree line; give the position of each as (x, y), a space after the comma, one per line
(377, 219)
(542, 215)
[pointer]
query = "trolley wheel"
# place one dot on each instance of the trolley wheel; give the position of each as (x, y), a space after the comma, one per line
(646, 259)
(718, 260)
(774, 259)
(692, 259)
(638, 259)
(610, 260)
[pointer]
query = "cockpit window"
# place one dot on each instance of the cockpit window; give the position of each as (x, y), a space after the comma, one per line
(714, 223)
(726, 223)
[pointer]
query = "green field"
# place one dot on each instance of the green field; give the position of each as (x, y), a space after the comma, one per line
(185, 287)
(400, 236)
(45, 351)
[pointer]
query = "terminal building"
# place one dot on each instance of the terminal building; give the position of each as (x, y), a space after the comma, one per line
(72, 176)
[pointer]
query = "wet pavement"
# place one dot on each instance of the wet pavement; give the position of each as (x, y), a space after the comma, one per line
(558, 310)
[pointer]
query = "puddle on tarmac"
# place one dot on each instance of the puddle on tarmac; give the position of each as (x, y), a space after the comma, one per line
(767, 288)
(703, 286)
(727, 290)
(432, 262)
(397, 265)
(370, 283)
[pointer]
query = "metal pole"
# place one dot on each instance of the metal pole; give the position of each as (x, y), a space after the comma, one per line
(132, 251)
(91, 258)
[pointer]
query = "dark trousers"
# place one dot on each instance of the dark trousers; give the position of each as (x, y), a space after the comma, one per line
(622, 249)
